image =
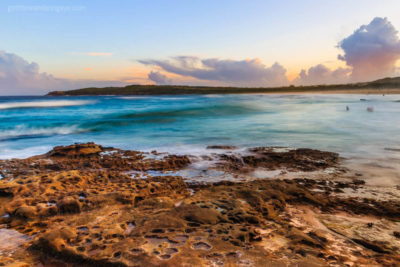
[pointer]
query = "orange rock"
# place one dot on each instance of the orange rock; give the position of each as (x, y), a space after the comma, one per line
(26, 212)
(69, 205)
(76, 150)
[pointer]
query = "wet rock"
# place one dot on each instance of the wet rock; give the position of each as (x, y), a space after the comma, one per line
(373, 245)
(392, 149)
(277, 158)
(171, 162)
(224, 147)
(76, 150)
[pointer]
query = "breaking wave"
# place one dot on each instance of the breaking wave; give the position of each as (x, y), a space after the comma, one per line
(21, 132)
(44, 104)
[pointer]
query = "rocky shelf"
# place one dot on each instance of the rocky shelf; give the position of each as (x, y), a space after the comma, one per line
(79, 206)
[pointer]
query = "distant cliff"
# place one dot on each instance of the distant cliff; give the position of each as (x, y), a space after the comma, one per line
(387, 83)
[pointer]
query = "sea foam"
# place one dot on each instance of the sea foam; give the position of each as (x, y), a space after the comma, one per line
(44, 104)
(7, 153)
(21, 131)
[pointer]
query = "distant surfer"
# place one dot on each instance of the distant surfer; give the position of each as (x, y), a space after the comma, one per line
(347, 108)
(370, 109)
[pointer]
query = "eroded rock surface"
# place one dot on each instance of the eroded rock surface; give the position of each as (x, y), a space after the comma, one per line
(79, 206)
(272, 158)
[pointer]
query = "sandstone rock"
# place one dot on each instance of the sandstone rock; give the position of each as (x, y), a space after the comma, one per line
(310, 240)
(271, 158)
(56, 240)
(26, 212)
(199, 215)
(82, 204)
(76, 150)
(225, 147)
(69, 205)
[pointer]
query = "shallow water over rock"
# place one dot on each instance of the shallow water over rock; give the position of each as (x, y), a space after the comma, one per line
(11, 240)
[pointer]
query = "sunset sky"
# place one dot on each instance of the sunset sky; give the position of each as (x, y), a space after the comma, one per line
(52, 45)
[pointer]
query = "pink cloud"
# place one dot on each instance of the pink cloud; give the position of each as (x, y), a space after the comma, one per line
(18, 76)
(372, 50)
(249, 72)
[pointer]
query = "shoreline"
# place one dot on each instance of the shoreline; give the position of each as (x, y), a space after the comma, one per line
(283, 92)
(305, 92)
(382, 86)
(91, 205)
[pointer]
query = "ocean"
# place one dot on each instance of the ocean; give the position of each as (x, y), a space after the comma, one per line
(187, 124)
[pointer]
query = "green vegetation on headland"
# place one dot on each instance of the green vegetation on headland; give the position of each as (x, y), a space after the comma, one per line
(390, 84)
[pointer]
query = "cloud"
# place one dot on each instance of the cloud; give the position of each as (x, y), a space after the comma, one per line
(370, 53)
(372, 50)
(230, 72)
(320, 74)
(159, 78)
(18, 76)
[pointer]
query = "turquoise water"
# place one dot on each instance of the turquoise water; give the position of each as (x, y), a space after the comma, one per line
(187, 124)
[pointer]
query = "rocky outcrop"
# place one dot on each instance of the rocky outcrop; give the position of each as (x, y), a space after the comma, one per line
(76, 150)
(80, 205)
(273, 158)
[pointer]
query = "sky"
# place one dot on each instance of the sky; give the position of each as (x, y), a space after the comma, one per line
(59, 45)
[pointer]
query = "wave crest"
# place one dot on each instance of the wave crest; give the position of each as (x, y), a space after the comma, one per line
(21, 131)
(44, 104)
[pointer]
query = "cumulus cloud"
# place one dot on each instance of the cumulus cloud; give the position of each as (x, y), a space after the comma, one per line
(372, 50)
(231, 72)
(159, 78)
(320, 74)
(18, 76)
